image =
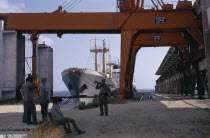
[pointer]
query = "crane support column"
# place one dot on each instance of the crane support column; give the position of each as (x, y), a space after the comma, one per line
(34, 39)
(130, 71)
(126, 46)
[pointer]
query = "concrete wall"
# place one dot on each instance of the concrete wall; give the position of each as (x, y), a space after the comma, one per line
(8, 63)
(205, 4)
(12, 63)
(20, 60)
(51, 68)
(45, 63)
(208, 15)
(20, 64)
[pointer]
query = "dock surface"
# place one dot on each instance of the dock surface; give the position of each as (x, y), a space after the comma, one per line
(169, 116)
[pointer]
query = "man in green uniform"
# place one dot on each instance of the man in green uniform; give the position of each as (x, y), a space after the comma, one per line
(104, 92)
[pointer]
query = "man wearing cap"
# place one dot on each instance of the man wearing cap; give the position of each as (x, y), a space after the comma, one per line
(44, 99)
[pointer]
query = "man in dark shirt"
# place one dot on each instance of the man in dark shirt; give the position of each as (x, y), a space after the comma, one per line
(27, 91)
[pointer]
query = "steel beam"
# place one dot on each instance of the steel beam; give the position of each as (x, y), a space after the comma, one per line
(98, 22)
(159, 39)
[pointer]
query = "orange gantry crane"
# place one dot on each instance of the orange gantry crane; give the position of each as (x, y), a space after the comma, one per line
(138, 27)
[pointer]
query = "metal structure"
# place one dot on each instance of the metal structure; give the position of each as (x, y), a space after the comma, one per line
(138, 27)
(187, 72)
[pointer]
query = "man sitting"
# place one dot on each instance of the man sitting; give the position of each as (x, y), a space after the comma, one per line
(58, 116)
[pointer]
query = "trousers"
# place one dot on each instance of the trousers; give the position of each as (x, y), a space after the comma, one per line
(44, 110)
(104, 104)
(70, 120)
(29, 111)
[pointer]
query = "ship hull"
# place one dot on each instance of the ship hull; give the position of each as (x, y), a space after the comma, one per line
(76, 80)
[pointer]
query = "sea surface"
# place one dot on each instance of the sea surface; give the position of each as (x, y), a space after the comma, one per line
(64, 100)
(68, 100)
(67, 93)
(145, 90)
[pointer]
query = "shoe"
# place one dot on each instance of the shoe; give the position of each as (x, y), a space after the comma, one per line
(23, 121)
(81, 132)
(29, 123)
(67, 132)
(35, 123)
(101, 114)
(106, 114)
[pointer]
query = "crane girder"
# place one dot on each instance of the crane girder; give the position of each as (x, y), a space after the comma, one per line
(98, 22)
(137, 27)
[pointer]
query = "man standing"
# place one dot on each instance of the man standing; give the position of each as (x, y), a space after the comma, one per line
(27, 91)
(104, 92)
(58, 116)
(44, 99)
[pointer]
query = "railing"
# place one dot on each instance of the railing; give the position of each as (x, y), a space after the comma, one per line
(158, 4)
(174, 3)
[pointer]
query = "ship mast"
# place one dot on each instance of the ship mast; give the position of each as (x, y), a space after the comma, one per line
(104, 58)
(110, 68)
(96, 58)
(110, 64)
(95, 50)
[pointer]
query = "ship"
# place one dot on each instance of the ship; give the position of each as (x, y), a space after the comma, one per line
(81, 81)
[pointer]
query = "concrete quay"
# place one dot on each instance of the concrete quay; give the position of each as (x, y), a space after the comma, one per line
(168, 116)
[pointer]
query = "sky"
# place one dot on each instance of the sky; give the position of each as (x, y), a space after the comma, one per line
(73, 50)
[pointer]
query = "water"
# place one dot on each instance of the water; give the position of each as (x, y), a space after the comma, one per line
(145, 90)
(67, 93)
(62, 93)
(64, 100)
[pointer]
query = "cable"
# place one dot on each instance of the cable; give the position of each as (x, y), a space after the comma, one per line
(28, 65)
(63, 3)
(71, 4)
(67, 3)
(75, 5)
